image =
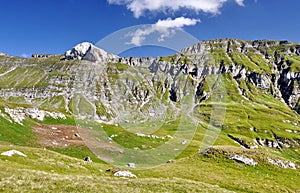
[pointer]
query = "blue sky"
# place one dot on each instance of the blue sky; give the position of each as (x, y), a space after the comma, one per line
(54, 26)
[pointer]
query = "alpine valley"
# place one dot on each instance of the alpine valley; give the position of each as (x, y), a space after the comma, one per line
(227, 112)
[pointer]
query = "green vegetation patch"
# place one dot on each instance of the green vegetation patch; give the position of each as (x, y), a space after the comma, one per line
(295, 63)
(21, 77)
(240, 59)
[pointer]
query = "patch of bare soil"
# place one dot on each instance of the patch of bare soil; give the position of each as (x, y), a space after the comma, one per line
(61, 136)
(58, 135)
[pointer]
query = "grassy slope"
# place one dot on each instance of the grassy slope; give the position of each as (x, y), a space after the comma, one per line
(46, 171)
(43, 170)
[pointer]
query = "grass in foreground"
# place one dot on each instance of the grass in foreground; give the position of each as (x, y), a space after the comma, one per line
(47, 171)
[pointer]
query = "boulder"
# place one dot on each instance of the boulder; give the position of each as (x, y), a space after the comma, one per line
(87, 159)
(131, 165)
(125, 174)
(170, 161)
(13, 152)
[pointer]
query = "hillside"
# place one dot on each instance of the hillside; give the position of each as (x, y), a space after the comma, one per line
(223, 113)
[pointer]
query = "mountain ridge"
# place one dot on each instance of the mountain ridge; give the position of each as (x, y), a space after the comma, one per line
(272, 60)
(117, 90)
(261, 62)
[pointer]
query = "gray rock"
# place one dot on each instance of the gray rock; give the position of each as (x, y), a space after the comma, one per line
(88, 159)
(243, 159)
(131, 165)
(43, 55)
(13, 152)
(125, 174)
(170, 161)
(283, 164)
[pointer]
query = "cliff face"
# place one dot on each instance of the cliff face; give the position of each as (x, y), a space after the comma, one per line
(269, 65)
(272, 66)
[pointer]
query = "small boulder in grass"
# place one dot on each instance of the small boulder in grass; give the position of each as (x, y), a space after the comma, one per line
(13, 152)
(88, 159)
(170, 161)
(125, 174)
(131, 165)
(113, 170)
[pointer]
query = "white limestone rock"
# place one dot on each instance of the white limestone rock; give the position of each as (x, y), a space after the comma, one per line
(131, 165)
(243, 159)
(19, 114)
(13, 152)
(283, 164)
(87, 51)
(125, 174)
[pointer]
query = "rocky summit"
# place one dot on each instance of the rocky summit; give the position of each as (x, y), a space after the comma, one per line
(88, 51)
(2, 54)
(236, 102)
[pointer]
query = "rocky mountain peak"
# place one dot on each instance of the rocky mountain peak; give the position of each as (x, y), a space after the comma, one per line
(87, 51)
(2, 54)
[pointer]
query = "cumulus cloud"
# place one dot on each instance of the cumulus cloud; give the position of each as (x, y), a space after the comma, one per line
(240, 2)
(165, 28)
(138, 7)
(176, 23)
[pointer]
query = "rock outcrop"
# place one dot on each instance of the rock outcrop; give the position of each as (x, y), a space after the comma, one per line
(243, 159)
(18, 115)
(282, 163)
(44, 55)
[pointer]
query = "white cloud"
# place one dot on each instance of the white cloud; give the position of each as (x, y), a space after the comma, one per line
(165, 28)
(177, 23)
(138, 7)
(240, 2)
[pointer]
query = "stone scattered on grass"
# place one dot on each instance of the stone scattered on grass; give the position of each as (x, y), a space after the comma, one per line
(170, 161)
(87, 159)
(154, 136)
(283, 164)
(243, 159)
(124, 174)
(13, 152)
(184, 142)
(131, 165)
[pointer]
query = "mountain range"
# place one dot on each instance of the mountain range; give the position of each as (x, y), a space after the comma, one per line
(225, 101)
